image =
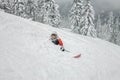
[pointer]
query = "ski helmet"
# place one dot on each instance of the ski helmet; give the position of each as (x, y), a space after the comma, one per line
(54, 34)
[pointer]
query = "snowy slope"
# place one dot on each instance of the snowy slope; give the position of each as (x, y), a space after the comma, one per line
(27, 54)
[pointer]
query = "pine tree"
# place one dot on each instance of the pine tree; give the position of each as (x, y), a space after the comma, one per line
(40, 11)
(99, 27)
(48, 12)
(110, 21)
(13, 5)
(118, 36)
(88, 27)
(115, 31)
(104, 34)
(6, 5)
(30, 8)
(110, 25)
(19, 8)
(76, 15)
(9, 5)
(2, 4)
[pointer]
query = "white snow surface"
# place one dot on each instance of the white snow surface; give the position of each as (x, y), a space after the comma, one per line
(26, 53)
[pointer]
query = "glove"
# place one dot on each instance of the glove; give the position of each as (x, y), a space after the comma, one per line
(62, 49)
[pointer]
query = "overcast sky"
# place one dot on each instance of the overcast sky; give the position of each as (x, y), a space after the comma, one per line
(103, 4)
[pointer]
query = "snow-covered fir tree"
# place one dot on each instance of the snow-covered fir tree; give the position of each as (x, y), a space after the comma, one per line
(12, 6)
(118, 36)
(76, 15)
(99, 26)
(110, 25)
(104, 33)
(48, 13)
(53, 16)
(110, 28)
(12, 9)
(2, 4)
(115, 31)
(20, 8)
(30, 9)
(111, 21)
(40, 11)
(6, 5)
(88, 27)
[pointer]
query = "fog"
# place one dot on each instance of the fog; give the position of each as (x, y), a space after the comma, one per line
(100, 4)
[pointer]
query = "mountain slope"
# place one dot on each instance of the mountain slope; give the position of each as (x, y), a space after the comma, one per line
(27, 54)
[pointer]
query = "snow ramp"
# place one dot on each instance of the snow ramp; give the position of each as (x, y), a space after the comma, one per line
(26, 53)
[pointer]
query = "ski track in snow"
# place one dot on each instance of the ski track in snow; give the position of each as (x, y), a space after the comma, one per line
(27, 54)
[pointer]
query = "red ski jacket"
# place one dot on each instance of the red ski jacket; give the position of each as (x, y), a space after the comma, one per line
(60, 42)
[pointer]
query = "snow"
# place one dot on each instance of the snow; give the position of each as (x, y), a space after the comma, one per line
(27, 54)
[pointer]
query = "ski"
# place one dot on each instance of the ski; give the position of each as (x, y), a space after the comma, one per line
(77, 56)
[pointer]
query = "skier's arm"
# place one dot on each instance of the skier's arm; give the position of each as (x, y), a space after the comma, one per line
(60, 42)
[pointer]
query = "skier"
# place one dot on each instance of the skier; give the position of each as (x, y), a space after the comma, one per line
(57, 41)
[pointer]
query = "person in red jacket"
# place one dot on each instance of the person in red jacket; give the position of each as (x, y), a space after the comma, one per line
(57, 41)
